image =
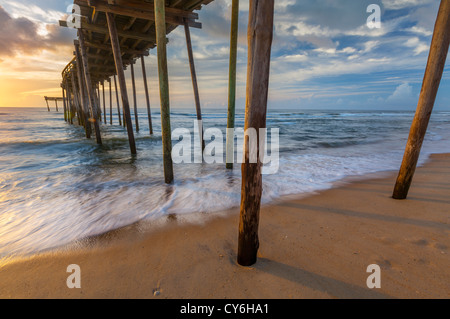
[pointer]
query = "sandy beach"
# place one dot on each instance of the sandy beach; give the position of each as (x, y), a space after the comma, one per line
(313, 247)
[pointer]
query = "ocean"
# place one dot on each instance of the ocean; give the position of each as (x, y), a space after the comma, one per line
(57, 187)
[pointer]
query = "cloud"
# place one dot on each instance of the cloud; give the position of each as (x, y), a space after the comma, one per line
(17, 34)
(403, 94)
(417, 45)
(23, 35)
(34, 12)
(401, 4)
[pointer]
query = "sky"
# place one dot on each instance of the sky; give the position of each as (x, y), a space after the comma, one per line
(324, 55)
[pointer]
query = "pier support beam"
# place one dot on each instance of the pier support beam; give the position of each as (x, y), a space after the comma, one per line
(83, 105)
(232, 84)
(133, 84)
(64, 102)
(121, 75)
(260, 34)
(147, 97)
(104, 102)
(433, 74)
(79, 100)
(46, 101)
(90, 87)
(160, 23)
(69, 102)
(110, 103)
(118, 102)
(194, 81)
(98, 104)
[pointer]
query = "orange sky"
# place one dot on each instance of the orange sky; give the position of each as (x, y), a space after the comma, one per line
(17, 92)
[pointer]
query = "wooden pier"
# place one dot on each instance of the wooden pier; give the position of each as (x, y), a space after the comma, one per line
(112, 35)
(53, 99)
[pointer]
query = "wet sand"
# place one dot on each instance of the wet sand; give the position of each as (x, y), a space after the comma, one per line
(314, 247)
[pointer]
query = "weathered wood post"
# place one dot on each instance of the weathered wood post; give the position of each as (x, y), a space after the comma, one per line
(260, 33)
(104, 102)
(84, 105)
(90, 88)
(194, 81)
(85, 112)
(64, 102)
(110, 103)
(98, 105)
(133, 84)
(72, 105)
(46, 101)
(433, 74)
(160, 23)
(147, 97)
(118, 103)
(232, 84)
(121, 75)
(56, 103)
(69, 102)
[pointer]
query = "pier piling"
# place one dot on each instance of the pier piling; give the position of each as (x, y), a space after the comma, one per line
(260, 33)
(232, 84)
(147, 97)
(133, 84)
(194, 81)
(90, 88)
(433, 74)
(121, 75)
(160, 23)
(118, 103)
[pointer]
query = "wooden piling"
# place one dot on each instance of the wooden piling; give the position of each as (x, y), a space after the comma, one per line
(110, 103)
(90, 89)
(121, 75)
(46, 101)
(232, 84)
(98, 106)
(260, 33)
(433, 74)
(160, 24)
(56, 103)
(194, 80)
(69, 102)
(64, 102)
(77, 102)
(72, 106)
(84, 104)
(118, 103)
(133, 84)
(104, 102)
(147, 97)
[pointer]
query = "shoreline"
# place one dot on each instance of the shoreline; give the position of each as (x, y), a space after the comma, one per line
(315, 246)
